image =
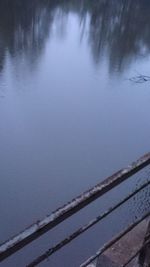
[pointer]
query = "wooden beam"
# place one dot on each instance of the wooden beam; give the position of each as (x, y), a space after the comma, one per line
(61, 214)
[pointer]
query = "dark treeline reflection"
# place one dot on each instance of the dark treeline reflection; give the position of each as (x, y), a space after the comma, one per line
(119, 28)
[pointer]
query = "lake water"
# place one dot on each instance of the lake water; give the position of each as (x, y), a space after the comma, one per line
(70, 115)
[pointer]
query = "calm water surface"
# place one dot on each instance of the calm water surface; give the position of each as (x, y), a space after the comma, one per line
(69, 115)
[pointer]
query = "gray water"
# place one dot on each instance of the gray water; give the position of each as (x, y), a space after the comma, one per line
(69, 114)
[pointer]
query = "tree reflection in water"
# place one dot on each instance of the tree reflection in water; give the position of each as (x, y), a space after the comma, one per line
(118, 28)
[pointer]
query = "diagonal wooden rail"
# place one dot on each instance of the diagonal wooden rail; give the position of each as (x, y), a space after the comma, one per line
(40, 227)
(84, 228)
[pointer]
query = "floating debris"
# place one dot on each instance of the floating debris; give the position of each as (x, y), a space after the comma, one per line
(140, 79)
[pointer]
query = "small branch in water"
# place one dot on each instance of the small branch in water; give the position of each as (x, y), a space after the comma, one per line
(140, 79)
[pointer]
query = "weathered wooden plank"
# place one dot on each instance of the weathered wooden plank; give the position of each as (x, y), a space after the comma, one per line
(40, 227)
(115, 239)
(144, 256)
(84, 228)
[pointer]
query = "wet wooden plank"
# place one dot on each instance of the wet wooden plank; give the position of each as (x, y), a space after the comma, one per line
(40, 227)
(144, 256)
(127, 246)
(115, 240)
(84, 228)
(105, 261)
